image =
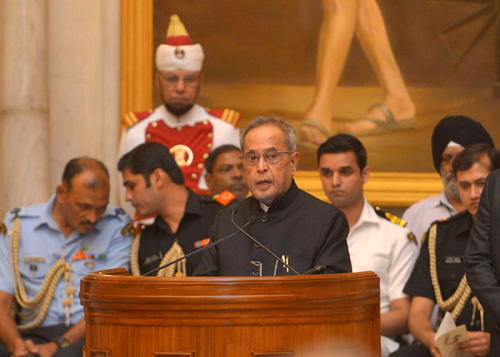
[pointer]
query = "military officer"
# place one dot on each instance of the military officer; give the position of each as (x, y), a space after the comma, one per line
(44, 252)
(225, 172)
(155, 186)
(377, 240)
(439, 274)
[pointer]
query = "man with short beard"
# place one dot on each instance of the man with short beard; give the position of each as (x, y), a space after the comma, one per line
(451, 135)
(188, 129)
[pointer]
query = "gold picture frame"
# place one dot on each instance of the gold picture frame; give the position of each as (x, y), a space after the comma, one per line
(393, 189)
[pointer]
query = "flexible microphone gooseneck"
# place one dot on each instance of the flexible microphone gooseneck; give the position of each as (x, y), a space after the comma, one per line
(249, 222)
(241, 229)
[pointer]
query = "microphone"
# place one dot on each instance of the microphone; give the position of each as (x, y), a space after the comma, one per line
(318, 269)
(249, 222)
(241, 229)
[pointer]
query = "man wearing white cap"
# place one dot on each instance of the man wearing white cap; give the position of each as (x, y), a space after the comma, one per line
(189, 130)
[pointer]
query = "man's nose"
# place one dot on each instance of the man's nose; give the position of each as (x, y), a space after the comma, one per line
(335, 179)
(262, 165)
(92, 216)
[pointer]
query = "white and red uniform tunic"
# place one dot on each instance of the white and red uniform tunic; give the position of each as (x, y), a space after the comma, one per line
(190, 137)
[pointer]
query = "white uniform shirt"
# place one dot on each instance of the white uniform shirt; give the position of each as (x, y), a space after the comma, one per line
(223, 132)
(378, 245)
(419, 216)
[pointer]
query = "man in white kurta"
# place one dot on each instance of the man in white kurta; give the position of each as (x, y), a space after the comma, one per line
(377, 241)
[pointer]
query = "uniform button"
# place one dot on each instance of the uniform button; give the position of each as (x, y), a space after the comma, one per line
(205, 155)
(200, 166)
(179, 128)
(264, 219)
(205, 122)
(148, 136)
(194, 176)
(209, 135)
(209, 145)
(256, 245)
(154, 125)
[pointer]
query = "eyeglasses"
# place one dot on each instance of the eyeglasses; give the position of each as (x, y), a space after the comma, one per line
(271, 157)
(189, 80)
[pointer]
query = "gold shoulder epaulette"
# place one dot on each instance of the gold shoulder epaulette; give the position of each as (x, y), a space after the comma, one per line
(131, 118)
(128, 229)
(224, 198)
(228, 115)
(390, 217)
(3, 228)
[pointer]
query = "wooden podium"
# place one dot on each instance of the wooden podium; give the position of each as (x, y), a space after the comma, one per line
(313, 316)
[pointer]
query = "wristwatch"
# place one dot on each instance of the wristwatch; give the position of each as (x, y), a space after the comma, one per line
(62, 342)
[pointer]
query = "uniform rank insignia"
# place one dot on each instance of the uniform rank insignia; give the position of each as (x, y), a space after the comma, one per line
(128, 229)
(412, 238)
(3, 228)
(201, 243)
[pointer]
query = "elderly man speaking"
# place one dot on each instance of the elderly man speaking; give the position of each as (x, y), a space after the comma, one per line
(296, 227)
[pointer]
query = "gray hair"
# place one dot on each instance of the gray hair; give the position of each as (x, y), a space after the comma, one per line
(286, 128)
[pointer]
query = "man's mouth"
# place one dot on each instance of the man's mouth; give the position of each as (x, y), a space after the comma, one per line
(263, 184)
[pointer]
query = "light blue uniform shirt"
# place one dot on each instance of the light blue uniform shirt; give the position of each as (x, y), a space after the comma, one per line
(41, 245)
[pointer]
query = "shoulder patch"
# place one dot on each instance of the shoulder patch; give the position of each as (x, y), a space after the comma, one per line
(15, 211)
(3, 228)
(390, 217)
(228, 115)
(224, 198)
(411, 237)
(119, 210)
(128, 229)
(131, 118)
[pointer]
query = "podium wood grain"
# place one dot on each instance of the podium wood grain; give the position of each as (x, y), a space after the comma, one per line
(322, 315)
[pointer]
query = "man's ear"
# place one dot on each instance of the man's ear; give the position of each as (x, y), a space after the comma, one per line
(158, 178)
(365, 174)
(209, 180)
(61, 191)
(157, 80)
(294, 161)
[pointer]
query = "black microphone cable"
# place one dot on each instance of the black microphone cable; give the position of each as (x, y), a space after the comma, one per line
(241, 229)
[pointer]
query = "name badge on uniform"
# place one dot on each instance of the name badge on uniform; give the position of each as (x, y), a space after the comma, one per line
(453, 260)
(33, 259)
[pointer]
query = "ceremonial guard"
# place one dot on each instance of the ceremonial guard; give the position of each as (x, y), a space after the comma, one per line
(189, 130)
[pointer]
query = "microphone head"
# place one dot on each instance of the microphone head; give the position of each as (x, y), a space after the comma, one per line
(252, 220)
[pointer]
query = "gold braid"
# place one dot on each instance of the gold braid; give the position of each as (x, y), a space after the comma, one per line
(39, 305)
(175, 252)
(459, 298)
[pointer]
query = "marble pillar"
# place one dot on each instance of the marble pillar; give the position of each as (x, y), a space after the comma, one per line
(84, 39)
(24, 119)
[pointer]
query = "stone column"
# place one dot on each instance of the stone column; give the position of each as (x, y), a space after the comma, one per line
(84, 39)
(24, 128)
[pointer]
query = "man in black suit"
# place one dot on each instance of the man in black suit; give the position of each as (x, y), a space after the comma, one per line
(482, 255)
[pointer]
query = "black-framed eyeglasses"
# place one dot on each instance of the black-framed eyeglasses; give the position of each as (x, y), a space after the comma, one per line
(189, 80)
(271, 157)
